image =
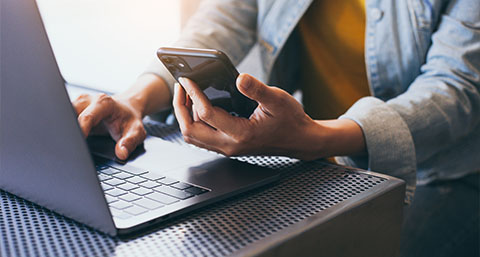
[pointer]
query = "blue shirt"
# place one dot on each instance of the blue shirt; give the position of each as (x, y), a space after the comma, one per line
(423, 67)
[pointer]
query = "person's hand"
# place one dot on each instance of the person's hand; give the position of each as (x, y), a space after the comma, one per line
(104, 114)
(278, 126)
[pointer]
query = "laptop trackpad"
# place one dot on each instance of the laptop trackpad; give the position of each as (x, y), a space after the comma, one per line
(154, 154)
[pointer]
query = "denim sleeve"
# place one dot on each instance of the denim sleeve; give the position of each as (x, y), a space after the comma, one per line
(225, 25)
(440, 107)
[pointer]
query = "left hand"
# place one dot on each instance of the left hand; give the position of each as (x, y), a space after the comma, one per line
(278, 126)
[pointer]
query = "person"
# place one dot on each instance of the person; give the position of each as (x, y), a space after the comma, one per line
(390, 86)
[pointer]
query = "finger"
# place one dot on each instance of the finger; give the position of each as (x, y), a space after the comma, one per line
(254, 89)
(81, 103)
(188, 102)
(196, 142)
(102, 108)
(131, 138)
(202, 135)
(194, 92)
(182, 113)
(197, 133)
(195, 114)
(213, 116)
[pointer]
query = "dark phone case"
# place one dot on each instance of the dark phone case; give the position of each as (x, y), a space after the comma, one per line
(209, 69)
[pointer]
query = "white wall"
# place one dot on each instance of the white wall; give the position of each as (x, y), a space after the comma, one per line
(106, 44)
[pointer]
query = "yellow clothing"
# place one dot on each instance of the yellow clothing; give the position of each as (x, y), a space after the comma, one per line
(333, 66)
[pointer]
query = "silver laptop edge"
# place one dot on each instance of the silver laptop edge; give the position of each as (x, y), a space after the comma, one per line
(28, 63)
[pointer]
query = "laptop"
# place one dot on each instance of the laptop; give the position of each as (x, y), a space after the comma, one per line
(45, 159)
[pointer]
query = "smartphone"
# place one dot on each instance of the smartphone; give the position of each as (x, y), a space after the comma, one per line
(209, 69)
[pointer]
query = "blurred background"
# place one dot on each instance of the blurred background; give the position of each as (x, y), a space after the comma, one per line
(107, 44)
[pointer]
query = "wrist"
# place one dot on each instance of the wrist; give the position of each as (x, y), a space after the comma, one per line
(149, 94)
(134, 102)
(328, 138)
(342, 137)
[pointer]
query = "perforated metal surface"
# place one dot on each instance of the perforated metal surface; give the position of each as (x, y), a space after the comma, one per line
(216, 230)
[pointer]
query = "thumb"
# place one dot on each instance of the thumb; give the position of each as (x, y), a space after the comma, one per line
(257, 91)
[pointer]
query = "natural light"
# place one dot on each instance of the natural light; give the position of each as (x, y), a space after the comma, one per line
(106, 44)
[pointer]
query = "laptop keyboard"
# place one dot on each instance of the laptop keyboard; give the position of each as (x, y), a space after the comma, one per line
(133, 192)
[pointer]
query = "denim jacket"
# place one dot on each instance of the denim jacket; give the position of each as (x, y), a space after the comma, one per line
(422, 121)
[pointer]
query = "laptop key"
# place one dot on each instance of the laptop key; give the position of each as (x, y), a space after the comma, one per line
(180, 185)
(135, 210)
(142, 191)
(120, 214)
(120, 205)
(173, 192)
(153, 176)
(149, 204)
(103, 177)
(114, 182)
(123, 175)
(127, 186)
(110, 199)
(106, 187)
(130, 197)
(163, 198)
(150, 184)
(196, 190)
(109, 171)
(101, 167)
(168, 181)
(115, 192)
(136, 180)
(131, 170)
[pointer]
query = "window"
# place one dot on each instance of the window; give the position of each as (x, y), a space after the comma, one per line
(106, 44)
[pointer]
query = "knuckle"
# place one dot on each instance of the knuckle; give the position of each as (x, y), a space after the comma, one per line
(83, 97)
(281, 97)
(142, 134)
(186, 131)
(187, 139)
(81, 100)
(104, 99)
(205, 113)
(86, 118)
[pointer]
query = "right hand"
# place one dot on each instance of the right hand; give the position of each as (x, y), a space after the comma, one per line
(104, 114)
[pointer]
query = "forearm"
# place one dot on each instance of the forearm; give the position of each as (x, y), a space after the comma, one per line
(149, 94)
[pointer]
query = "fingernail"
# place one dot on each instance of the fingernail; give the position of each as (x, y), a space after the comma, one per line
(175, 86)
(123, 153)
(182, 80)
(244, 82)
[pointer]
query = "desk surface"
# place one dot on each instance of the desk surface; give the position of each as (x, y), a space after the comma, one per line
(306, 192)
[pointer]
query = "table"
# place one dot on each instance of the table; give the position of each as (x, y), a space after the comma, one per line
(316, 209)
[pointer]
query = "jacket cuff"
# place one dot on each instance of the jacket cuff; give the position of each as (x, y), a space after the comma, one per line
(388, 140)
